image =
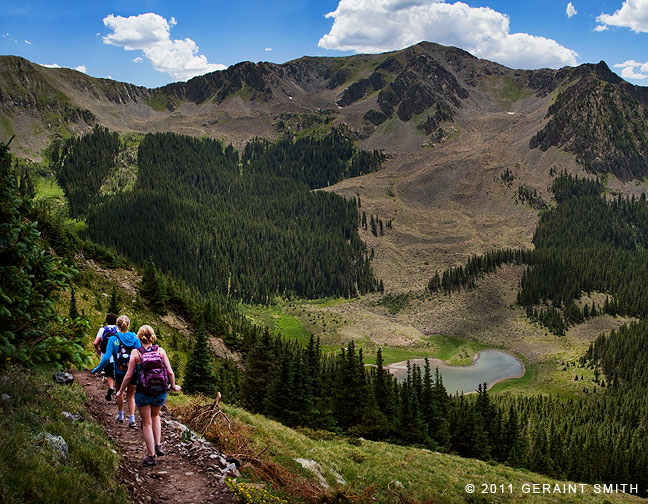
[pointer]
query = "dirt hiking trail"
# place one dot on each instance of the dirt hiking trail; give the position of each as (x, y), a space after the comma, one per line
(191, 471)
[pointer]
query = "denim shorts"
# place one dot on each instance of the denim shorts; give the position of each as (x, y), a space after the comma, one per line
(141, 399)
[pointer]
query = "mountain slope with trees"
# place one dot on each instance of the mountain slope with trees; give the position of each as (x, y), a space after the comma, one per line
(245, 227)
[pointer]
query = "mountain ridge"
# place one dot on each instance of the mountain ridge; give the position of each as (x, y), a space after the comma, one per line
(362, 91)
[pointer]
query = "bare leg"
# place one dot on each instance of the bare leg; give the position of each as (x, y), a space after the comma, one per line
(130, 397)
(147, 429)
(120, 403)
(157, 426)
(111, 381)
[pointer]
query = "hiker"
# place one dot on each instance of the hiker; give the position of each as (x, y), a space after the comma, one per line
(101, 341)
(120, 346)
(154, 375)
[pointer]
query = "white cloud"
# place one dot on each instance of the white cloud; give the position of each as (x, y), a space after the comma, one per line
(374, 26)
(268, 49)
(601, 28)
(139, 59)
(79, 68)
(28, 42)
(7, 35)
(109, 77)
(571, 10)
(150, 33)
(634, 70)
(633, 14)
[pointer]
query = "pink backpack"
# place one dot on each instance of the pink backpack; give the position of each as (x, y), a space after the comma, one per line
(153, 379)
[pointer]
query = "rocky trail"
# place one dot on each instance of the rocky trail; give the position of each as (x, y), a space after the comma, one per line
(191, 471)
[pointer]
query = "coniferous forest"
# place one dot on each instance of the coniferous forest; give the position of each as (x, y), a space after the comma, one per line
(596, 438)
(599, 437)
(247, 227)
(586, 243)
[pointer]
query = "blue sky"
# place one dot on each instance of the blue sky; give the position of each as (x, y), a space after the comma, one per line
(154, 42)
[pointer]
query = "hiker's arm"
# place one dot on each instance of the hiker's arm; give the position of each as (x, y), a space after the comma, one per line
(97, 343)
(170, 374)
(129, 372)
(106, 358)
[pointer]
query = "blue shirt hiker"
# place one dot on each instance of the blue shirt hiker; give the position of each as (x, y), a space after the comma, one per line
(115, 343)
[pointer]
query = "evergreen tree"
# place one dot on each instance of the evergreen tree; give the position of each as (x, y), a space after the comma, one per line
(74, 312)
(147, 285)
(226, 381)
(30, 281)
(259, 369)
(199, 372)
(114, 304)
(159, 295)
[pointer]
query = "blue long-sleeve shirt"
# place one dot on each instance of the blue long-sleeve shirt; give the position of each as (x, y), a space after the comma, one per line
(129, 339)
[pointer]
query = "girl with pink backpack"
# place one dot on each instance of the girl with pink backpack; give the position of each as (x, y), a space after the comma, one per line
(155, 377)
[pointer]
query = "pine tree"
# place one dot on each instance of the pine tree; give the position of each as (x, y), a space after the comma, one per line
(114, 304)
(159, 296)
(30, 280)
(74, 312)
(511, 439)
(147, 285)
(259, 370)
(380, 384)
(199, 372)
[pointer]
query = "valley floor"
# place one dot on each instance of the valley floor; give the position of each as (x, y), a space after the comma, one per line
(414, 324)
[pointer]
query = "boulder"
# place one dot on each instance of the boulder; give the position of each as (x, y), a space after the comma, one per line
(56, 442)
(63, 378)
(75, 417)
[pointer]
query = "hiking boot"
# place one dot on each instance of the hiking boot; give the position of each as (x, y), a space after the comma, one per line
(120, 417)
(159, 451)
(149, 460)
(132, 423)
(109, 394)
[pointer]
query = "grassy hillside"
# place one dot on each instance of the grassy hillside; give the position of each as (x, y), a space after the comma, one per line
(359, 471)
(32, 471)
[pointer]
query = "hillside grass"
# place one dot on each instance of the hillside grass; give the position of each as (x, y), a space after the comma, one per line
(31, 471)
(50, 194)
(376, 471)
(161, 102)
(358, 66)
(123, 175)
(7, 127)
(297, 320)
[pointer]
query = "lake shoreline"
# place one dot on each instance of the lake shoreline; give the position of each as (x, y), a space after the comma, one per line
(441, 364)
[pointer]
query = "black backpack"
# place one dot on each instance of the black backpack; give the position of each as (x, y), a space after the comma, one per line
(122, 357)
(105, 336)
